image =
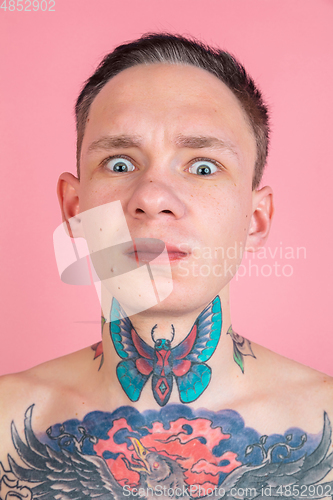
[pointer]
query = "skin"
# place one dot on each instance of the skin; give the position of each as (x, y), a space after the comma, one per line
(163, 197)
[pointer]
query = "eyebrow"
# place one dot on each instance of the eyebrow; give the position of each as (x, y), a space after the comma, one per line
(181, 141)
(115, 141)
(200, 142)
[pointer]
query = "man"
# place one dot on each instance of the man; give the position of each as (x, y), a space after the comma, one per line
(173, 402)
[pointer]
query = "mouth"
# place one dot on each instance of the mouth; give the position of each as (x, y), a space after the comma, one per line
(145, 250)
(175, 253)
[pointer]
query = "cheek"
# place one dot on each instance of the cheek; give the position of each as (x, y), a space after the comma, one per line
(94, 193)
(224, 221)
(225, 216)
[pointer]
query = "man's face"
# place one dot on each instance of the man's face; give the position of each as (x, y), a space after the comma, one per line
(173, 144)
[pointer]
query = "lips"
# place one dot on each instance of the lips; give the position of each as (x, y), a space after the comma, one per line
(175, 253)
(144, 250)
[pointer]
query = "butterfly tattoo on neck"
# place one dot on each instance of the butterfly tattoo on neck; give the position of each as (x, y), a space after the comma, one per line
(163, 362)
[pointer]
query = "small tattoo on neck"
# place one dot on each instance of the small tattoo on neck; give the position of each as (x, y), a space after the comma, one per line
(242, 347)
(103, 320)
(98, 347)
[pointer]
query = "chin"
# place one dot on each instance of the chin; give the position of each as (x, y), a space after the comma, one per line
(186, 298)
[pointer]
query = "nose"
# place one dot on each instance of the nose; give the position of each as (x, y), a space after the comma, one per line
(155, 199)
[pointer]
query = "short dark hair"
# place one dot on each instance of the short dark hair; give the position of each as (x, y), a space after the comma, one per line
(154, 48)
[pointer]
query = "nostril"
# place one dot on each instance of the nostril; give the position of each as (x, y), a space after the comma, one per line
(167, 211)
(139, 211)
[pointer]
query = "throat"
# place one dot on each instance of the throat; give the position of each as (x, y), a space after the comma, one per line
(169, 362)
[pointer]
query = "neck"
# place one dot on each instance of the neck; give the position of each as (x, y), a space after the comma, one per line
(144, 376)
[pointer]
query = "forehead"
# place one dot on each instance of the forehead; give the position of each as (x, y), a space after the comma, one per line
(166, 100)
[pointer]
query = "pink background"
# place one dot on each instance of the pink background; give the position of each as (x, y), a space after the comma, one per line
(287, 45)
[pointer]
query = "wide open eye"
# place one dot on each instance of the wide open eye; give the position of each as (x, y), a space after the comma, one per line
(156, 465)
(203, 167)
(119, 164)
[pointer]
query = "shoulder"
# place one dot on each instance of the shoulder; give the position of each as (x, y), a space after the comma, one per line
(291, 393)
(294, 377)
(47, 387)
(53, 389)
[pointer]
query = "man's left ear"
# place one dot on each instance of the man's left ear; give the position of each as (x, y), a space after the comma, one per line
(261, 219)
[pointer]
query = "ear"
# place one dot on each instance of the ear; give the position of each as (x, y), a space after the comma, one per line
(68, 189)
(261, 219)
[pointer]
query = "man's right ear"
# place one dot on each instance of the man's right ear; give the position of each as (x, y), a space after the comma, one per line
(68, 189)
